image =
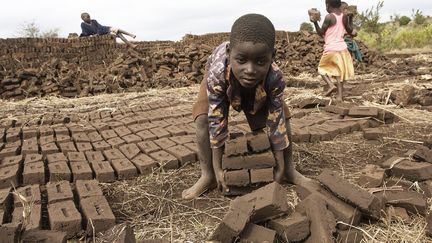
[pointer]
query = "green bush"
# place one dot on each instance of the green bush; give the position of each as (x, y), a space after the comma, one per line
(404, 20)
(305, 26)
(418, 17)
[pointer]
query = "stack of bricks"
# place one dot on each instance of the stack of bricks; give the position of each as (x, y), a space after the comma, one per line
(248, 161)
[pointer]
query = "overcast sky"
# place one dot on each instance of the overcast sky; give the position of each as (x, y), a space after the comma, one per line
(171, 20)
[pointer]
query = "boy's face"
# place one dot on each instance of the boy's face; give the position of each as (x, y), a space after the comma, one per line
(86, 18)
(250, 62)
(344, 8)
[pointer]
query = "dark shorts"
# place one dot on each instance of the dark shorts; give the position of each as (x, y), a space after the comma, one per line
(256, 121)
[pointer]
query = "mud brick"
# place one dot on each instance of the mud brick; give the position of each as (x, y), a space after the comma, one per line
(237, 177)
(17, 143)
(30, 149)
(237, 146)
(233, 162)
(97, 210)
(13, 136)
(105, 113)
(135, 128)
(392, 161)
(192, 146)
(43, 236)
(49, 148)
(9, 232)
(429, 225)
(67, 147)
(46, 139)
(103, 171)
(127, 121)
(351, 236)
(269, 202)
(292, 228)
(45, 131)
(81, 171)
(149, 125)
(414, 171)
(76, 157)
(317, 135)
(166, 161)
(190, 130)
(132, 138)
(101, 145)
(56, 157)
(29, 132)
(108, 134)
(122, 131)
(124, 169)
(30, 193)
(160, 123)
(80, 137)
(88, 188)
(423, 153)
(159, 132)
(183, 139)
(175, 131)
(83, 147)
(64, 216)
(59, 171)
(300, 135)
(344, 127)
(95, 137)
(148, 147)
(363, 124)
(5, 202)
(364, 112)
(62, 138)
(164, 143)
(336, 110)
(322, 221)
(130, 150)
(116, 142)
(259, 161)
(233, 222)
(59, 191)
(7, 152)
(258, 142)
(312, 103)
(94, 156)
(12, 160)
(61, 130)
(34, 173)
(365, 201)
(256, 233)
(261, 175)
(332, 130)
(183, 154)
(371, 176)
(34, 221)
(413, 202)
(100, 126)
(373, 133)
(113, 154)
(147, 135)
(144, 164)
(33, 158)
(426, 186)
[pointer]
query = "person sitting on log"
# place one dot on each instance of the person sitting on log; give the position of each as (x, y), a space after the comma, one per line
(336, 60)
(91, 27)
(242, 74)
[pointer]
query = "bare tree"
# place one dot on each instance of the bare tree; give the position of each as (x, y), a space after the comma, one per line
(32, 30)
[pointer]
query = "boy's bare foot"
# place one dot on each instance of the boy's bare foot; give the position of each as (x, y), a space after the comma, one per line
(294, 177)
(330, 90)
(339, 99)
(203, 184)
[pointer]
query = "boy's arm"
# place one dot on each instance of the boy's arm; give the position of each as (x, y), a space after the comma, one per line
(329, 20)
(348, 24)
(276, 117)
(84, 30)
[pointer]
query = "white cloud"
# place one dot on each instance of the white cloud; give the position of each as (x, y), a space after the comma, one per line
(162, 19)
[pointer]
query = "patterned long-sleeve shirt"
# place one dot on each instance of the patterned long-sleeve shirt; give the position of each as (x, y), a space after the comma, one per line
(223, 91)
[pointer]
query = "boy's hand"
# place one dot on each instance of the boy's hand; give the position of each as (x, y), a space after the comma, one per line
(217, 167)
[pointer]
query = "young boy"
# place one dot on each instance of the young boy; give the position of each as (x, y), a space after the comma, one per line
(241, 73)
(92, 27)
(336, 61)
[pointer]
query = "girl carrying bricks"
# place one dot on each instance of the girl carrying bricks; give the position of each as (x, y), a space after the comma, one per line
(336, 61)
(241, 74)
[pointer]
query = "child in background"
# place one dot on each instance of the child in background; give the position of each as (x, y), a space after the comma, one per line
(242, 74)
(336, 61)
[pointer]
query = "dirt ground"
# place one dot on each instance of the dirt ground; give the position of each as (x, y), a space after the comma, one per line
(153, 204)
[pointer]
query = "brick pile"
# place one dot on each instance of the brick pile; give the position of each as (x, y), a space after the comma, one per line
(247, 162)
(88, 66)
